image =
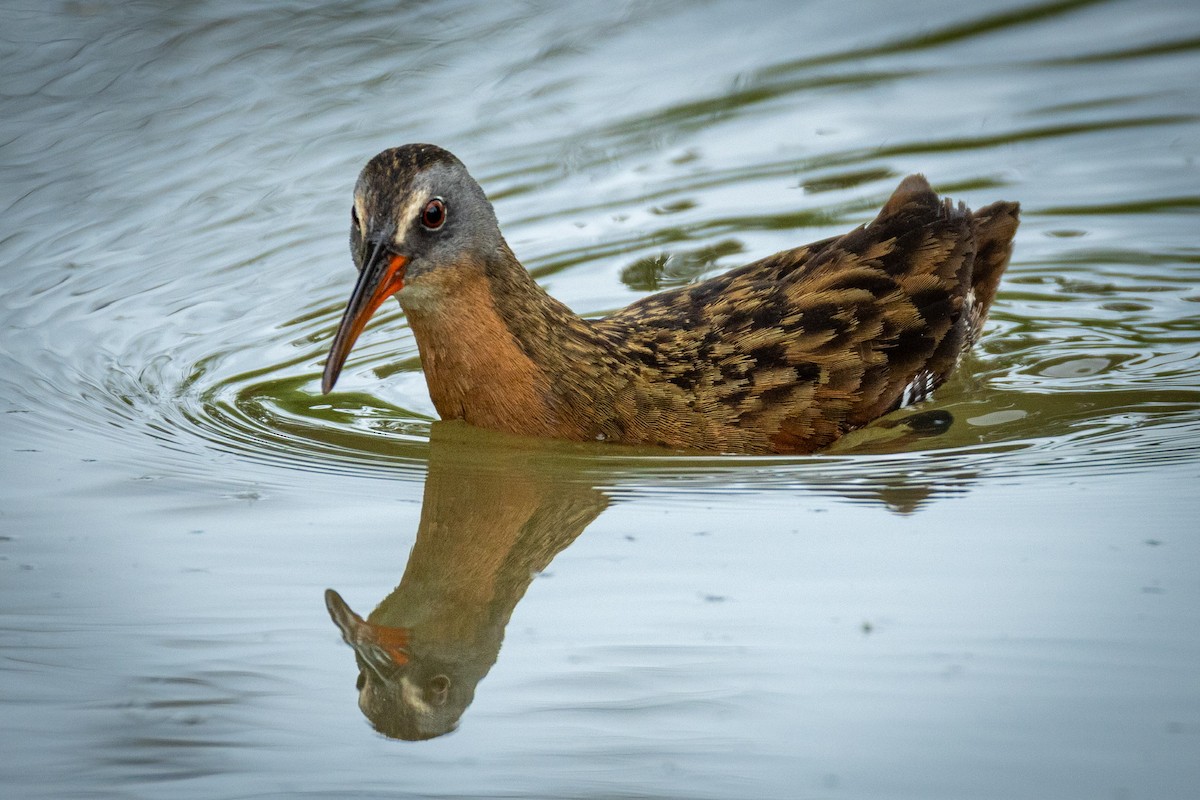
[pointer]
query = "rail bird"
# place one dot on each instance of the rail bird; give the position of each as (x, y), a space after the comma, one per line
(782, 355)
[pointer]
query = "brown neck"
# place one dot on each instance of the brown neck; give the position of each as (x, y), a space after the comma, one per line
(495, 347)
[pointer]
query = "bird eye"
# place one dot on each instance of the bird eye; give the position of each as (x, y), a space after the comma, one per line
(434, 214)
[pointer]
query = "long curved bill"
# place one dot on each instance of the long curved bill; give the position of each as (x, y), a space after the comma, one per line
(381, 648)
(381, 277)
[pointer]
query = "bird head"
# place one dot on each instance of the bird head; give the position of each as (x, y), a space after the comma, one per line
(405, 693)
(418, 216)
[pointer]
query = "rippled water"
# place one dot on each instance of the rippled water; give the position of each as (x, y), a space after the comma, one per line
(1006, 608)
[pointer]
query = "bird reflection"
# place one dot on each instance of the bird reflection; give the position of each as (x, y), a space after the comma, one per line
(494, 515)
(492, 518)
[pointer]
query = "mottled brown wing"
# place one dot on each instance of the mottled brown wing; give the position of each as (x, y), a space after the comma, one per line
(810, 343)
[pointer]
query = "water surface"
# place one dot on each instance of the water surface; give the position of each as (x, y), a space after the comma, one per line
(1008, 607)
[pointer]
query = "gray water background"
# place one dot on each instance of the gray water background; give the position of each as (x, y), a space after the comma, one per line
(1008, 609)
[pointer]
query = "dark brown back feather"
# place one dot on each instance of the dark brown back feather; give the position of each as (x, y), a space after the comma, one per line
(790, 352)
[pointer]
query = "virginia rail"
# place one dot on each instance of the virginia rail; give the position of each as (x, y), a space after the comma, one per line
(782, 355)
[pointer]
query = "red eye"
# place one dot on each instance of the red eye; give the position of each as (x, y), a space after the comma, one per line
(434, 214)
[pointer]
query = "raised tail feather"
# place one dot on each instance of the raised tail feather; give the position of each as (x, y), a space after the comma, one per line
(969, 265)
(995, 227)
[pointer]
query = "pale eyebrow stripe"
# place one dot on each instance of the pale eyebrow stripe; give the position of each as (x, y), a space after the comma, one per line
(416, 203)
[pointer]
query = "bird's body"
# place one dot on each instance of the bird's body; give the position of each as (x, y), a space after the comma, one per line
(784, 354)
